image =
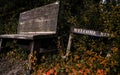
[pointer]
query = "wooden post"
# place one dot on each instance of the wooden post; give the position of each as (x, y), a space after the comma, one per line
(30, 55)
(69, 44)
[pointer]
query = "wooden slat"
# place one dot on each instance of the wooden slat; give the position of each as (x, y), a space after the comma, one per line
(90, 32)
(17, 36)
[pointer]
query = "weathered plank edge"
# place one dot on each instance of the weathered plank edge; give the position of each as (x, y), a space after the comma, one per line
(90, 32)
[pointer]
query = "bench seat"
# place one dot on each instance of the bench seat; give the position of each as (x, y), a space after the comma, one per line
(26, 36)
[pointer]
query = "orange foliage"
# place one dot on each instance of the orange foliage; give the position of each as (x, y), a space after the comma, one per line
(100, 72)
(74, 71)
(115, 49)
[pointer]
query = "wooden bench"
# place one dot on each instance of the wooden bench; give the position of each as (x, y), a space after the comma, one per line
(36, 26)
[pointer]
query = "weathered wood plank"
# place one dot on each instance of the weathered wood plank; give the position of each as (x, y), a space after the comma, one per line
(90, 32)
(39, 20)
(17, 36)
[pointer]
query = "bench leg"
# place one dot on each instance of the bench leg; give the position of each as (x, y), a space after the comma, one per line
(0, 44)
(29, 57)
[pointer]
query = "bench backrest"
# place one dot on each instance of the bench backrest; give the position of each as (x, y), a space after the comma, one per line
(39, 20)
